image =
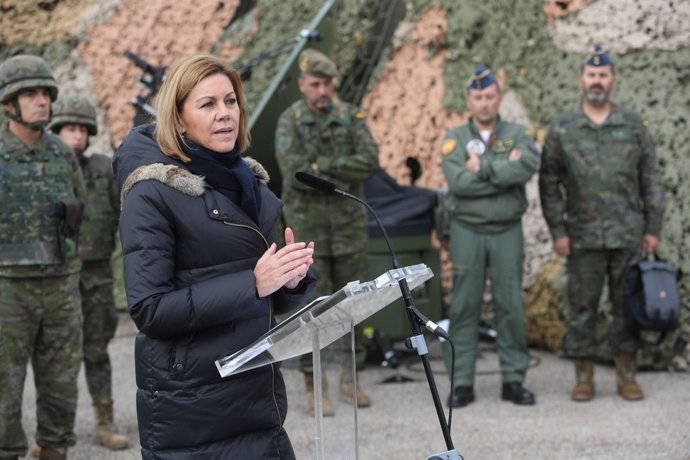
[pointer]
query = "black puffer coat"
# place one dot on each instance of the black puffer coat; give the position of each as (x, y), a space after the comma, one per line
(189, 253)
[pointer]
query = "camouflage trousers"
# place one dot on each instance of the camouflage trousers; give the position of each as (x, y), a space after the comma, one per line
(332, 273)
(587, 270)
(100, 322)
(40, 320)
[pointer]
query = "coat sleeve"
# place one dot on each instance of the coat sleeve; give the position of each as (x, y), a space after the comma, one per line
(551, 178)
(159, 309)
(290, 153)
(361, 164)
(503, 173)
(650, 185)
(461, 182)
(285, 300)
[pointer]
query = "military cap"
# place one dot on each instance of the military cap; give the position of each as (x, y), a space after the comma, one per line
(25, 71)
(598, 58)
(316, 63)
(73, 109)
(482, 77)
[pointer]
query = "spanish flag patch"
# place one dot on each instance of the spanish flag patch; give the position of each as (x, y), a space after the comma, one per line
(360, 115)
(448, 146)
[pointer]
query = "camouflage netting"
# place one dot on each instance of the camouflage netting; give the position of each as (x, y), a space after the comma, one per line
(281, 21)
(536, 47)
(543, 300)
(512, 36)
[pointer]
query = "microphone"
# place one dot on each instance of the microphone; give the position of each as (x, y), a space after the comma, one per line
(310, 34)
(327, 187)
(317, 183)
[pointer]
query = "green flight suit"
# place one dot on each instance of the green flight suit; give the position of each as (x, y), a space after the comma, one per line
(486, 207)
(599, 186)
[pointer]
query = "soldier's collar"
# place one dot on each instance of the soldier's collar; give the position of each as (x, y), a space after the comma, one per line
(615, 117)
(473, 127)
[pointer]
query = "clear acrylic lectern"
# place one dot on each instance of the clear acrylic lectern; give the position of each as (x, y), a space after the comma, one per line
(318, 325)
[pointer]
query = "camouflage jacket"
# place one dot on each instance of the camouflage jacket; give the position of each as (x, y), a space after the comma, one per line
(101, 209)
(339, 148)
(492, 199)
(599, 184)
(40, 196)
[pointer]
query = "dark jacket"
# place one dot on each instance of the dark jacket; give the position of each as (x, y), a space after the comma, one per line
(189, 253)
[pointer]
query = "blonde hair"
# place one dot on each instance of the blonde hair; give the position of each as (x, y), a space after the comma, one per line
(182, 77)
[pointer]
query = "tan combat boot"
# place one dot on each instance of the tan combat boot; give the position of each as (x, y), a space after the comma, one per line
(584, 375)
(347, 389)
(628, 388)
(327, 408)
(106, 434)
(52, 453)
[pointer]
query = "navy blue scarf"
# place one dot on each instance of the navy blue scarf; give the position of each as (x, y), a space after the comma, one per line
(226, 173)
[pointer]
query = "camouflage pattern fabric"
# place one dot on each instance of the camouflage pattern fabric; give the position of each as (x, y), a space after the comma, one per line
(25, 71)
(34, 240)
(40, 305)
(100, 322)
(547, 307)
(599, 184)
(97, 242)
(40, 320)
(101, 209)
(338, 147)
(587, 271)
(73, 109)
(333, 273)
(543, 298)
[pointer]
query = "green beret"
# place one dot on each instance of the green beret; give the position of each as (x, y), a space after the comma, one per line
(316, 63)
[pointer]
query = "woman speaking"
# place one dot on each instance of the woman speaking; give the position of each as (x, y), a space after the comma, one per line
(203, 274)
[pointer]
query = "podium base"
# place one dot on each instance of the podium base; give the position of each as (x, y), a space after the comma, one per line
(398, 378)
(448, 455)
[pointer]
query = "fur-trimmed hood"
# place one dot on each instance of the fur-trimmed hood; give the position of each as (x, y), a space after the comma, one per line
(139, 158)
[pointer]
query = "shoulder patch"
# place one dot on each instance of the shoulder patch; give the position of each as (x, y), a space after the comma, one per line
(448, 146)
(360, 115)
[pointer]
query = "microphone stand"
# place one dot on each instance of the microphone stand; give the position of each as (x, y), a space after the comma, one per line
(415, 318)
(417, 341)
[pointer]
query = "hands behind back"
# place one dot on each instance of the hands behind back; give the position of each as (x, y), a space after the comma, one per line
(284, 267)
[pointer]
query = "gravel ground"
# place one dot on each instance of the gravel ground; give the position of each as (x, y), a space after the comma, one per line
(402, 422)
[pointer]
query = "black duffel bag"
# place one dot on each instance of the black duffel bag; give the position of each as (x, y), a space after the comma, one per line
(652, 302)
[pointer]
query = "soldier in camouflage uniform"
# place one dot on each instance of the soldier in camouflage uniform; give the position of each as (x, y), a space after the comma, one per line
(40, 307)
(327, 138)
(74, 120)
(602, 199)
(486, 163)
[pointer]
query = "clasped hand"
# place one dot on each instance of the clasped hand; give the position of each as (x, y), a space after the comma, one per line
(283, 267)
